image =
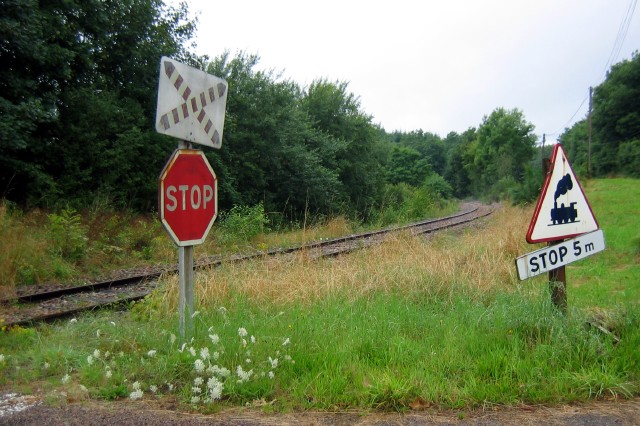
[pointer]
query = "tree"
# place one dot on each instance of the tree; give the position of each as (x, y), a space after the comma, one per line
(273, 154)
(504, 145)
(336, 112)
(575, 143)
(458, 152)
(78, 98)
(406, 165)
(616, 117)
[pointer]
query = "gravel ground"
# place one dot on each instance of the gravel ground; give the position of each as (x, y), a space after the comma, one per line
(163, 412)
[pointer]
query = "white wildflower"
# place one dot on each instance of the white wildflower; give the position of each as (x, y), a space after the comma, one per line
(204, 353)
(214, 369)
(96, 353)
(248, 361)
(253, 339)
(65, 379)
(136, 385)
(274, 362)
(216, 355)
(199, 365)
(196, 390)
(182, 347)
(242, 332)
(192, 351)
(198, 381)
(151, 353)
(214, 338)
(243, 375)
(98, 332)
(90, 359)
(215, 388)
(107, 354)
(136, 394)
(153, 388)
(195, 399)
(170, 386)
(271, 375)
(286, 342)
(108, 374)
(46, 364)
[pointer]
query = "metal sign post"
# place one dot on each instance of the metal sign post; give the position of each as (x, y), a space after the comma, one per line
(186, 278)
(186, 296)
(191, 107)
(188, 207)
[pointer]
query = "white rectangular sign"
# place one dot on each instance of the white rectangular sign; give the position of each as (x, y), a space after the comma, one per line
(552, 257)
(191, 104)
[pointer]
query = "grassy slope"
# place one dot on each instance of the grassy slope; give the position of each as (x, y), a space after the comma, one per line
(408, 323)
(613, 277)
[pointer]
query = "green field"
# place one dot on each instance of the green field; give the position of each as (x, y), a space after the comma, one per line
(411, 323)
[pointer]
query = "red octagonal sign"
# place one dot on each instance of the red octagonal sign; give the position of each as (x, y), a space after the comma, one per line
(188, 197)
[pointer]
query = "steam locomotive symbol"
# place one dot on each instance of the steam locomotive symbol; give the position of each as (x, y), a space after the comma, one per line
(563, 214)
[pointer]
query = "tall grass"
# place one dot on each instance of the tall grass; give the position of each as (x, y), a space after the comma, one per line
(448, 265)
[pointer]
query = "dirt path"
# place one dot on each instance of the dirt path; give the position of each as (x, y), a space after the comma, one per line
(622, 412)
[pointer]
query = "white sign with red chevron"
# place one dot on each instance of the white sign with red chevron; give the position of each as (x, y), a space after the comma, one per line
(191, 104)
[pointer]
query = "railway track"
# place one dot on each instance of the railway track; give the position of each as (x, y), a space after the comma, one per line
(44, 304)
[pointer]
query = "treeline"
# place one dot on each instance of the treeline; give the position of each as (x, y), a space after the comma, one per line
(78, 90)
(615, 126)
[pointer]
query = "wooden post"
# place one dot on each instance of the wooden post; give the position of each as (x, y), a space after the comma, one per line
(558, 287)
(557, 277)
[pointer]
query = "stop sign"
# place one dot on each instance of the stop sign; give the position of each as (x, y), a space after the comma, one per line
(188, 196)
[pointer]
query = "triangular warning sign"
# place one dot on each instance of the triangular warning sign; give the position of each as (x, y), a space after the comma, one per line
(562, 210)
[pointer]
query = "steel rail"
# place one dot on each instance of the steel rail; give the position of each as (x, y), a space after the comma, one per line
(121, 284)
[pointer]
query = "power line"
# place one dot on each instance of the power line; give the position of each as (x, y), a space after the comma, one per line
(569, 120)
(623, 30)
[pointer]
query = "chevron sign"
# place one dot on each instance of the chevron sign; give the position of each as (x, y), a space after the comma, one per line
(191, 104)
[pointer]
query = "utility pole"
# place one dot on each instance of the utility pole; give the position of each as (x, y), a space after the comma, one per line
(542, 159)
(589, 146)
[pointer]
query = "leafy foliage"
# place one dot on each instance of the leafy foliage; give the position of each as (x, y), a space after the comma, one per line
(68, 236)
(78, 95)
(615, 125)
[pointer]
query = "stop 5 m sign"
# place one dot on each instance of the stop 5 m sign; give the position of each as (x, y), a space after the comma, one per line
(188, 197)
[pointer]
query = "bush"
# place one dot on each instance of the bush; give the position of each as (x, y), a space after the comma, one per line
(67, 235)
(529, 189)
(629, 158)
(438, 186)
(242, 223)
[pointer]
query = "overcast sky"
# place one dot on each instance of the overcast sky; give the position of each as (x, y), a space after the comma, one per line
(439, 66)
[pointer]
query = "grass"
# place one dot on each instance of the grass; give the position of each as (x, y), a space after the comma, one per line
(69, 246)
(441, 323)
